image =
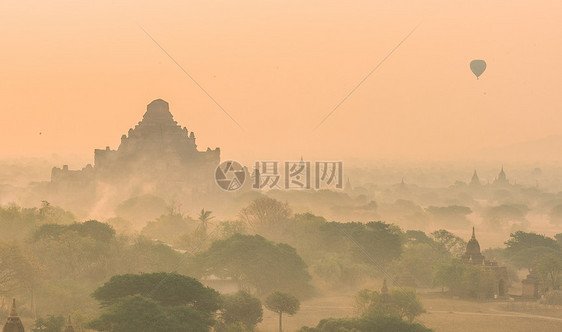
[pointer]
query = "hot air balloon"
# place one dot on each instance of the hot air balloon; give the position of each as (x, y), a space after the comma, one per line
(478, 67)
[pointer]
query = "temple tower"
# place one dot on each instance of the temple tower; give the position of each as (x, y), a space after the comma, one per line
(384, 291)
(69, 327)
(475, 181)
(13, 324)
(502, 178)
(472, 254)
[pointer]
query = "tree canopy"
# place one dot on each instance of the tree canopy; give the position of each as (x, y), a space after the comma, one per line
(243, 308)
(265, 214)
(282, 303)
(522, 240)
(449, 243)
(170, 289)
(140, 314)
(526, 249)
(255, 262)
(49, 324)
(155, 302)
(549, 268)
(464, 279)
(366, 324)
(402, 303)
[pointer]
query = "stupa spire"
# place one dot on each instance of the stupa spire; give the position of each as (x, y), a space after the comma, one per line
(475, 181)
(13, 323)
(69, 327)
(13, 312)
(384, 289)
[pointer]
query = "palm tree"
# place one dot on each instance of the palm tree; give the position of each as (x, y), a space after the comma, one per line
(204, 218)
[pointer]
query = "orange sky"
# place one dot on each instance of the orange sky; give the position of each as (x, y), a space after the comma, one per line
(82, 72)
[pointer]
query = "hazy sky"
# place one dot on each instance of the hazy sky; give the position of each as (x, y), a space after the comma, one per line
(82, 72)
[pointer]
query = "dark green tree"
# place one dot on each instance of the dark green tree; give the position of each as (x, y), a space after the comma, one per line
(402, 303)
(449, 243)
(49, 231)
(169, 289)
(382, 241)
(19, 269)
(144, 255)
(464, 279)
(405, 304)
(413, 237)
(169, 227)
(366, 324)
(49, 324)
(525, 249)
(522, 240)
(417, 260)
(527, 258)
(282, 303)
(558, 238)
(243, 308)
(255, 262)
(139, 314)
(96, 230)
(549, 268)
(49, 213)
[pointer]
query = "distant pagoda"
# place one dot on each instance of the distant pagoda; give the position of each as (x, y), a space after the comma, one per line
(502, 178)
(13, 324)
(475, 181)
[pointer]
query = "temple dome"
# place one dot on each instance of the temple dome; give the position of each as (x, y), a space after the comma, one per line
(13, 324)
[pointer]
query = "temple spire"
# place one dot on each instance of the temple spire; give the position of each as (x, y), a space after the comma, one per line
(13, 312)
(384, 289)
(475, 181)
(473, 235)
(69, 327)
(13, 323)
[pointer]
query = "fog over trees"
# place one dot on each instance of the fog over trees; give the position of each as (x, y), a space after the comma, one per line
(378, 254)
(266, 255)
